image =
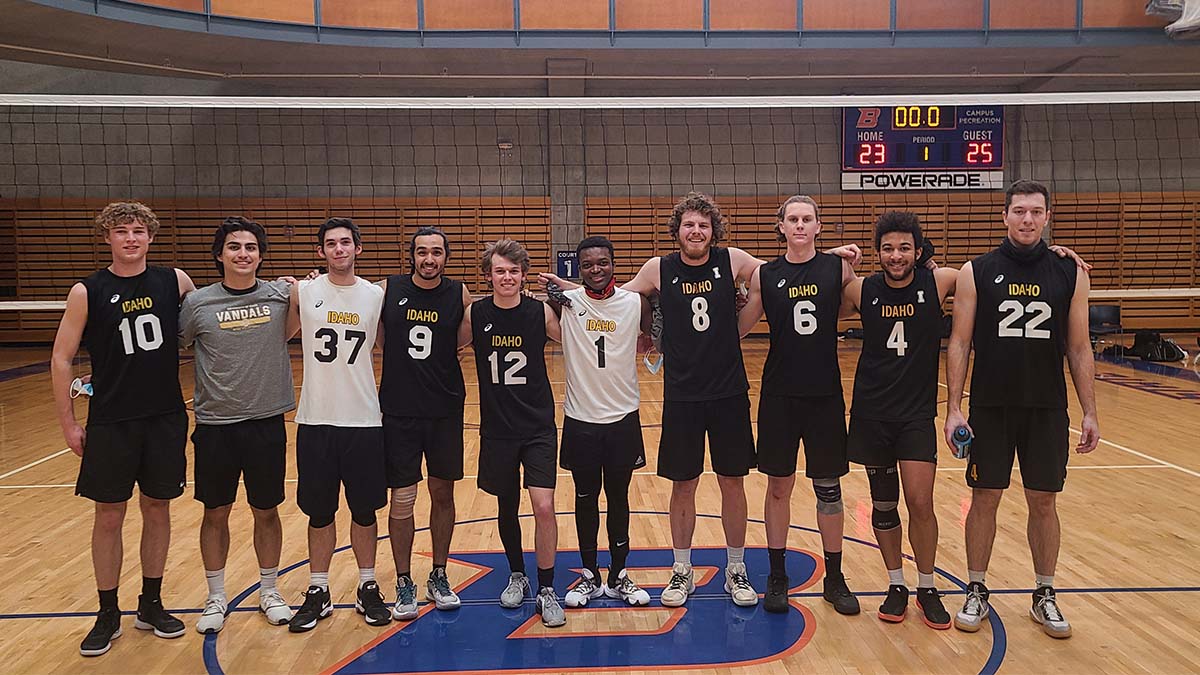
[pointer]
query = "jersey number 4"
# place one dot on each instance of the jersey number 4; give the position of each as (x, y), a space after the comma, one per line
(896, 339)
(329, 350)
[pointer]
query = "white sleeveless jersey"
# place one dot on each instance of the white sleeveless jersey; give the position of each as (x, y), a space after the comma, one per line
(337, 328)
(599, 339)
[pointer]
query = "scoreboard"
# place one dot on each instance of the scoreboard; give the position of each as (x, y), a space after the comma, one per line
(923, 147)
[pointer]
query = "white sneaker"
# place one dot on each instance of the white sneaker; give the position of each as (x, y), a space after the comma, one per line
(737, 585)
(587, 588)
(405, 608)
(213, 618)
(975, 608)
(681, 585)
(628, 591)
(1046, 612)
(516, 591)
(274, 607)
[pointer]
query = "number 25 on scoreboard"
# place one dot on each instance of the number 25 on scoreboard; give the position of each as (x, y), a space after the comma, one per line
(979, 152)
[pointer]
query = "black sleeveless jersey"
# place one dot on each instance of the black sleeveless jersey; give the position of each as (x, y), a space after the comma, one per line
(515, 400)
(897, 373)
(1021, 314)
(702, 351)
(421, 373)
(132, 335)
(801, 301)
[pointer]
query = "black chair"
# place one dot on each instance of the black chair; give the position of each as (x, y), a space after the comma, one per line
(1103, 320)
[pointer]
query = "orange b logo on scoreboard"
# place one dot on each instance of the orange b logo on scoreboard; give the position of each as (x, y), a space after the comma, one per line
(868, 118)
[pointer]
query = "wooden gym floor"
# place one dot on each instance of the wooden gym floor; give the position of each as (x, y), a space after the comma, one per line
(1128, 575)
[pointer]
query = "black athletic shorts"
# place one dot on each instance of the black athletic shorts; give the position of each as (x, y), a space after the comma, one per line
(256, 450)
(616, 446)
(820, 421)
(328, 457)
(501, 461)
(439, 439)
(148, 451)
(730, 437)
(1038, 437)
(880, 443)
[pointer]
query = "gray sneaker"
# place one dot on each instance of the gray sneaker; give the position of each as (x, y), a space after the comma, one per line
(1046, 612)
(405, 608)
(552, 612)
(975, 608)
(438, 590)
(516, 590)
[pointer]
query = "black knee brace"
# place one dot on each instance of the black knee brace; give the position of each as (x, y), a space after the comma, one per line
(885, 497)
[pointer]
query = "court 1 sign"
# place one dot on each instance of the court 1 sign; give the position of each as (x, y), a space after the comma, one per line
(568, 264)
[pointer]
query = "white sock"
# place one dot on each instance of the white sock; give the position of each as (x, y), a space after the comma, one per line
(926, 580)
(216, 582)
(683, 556)
(319, 579)
(365, 574)
(268, 577)
(734, 555)
(976, 576)
(896, 577)
(1044, 580)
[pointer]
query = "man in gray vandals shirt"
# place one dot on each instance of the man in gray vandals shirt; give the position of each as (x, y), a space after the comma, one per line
(239, 329)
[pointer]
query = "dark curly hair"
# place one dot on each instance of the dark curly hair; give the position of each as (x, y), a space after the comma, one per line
(702, 204)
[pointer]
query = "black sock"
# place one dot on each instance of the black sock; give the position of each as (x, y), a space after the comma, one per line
(589, 563)
(108, 599)
(151, 589)
(776, 556)
(620, 553)
(545, 577)
(833, 565)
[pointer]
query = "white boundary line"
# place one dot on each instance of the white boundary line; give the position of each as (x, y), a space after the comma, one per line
(32, 464)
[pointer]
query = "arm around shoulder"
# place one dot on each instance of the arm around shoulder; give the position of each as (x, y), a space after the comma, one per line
(646, 280)
(185, 283)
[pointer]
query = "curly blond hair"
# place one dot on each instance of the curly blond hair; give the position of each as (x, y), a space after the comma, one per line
(123, 213)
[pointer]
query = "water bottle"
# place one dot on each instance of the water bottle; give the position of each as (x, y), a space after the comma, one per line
(962, 438)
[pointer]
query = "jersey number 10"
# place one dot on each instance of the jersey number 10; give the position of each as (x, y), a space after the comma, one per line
(145, 330)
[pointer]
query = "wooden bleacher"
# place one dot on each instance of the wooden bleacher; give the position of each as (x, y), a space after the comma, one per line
(1135, 241)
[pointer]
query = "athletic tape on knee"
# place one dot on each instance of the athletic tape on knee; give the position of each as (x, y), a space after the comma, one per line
(403, 501)
(366, 519)
(829, 495)
(318, 522)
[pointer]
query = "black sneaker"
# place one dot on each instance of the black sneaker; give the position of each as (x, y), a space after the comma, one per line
(839, 595)
(316, 607)
(107, 629)
(776, 599)
(895, 605)
(932, 612)
(370, 604)
(152, 616)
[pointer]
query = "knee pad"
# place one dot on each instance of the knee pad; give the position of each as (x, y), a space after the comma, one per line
(829, 495)
(366, 519)
(318, 522)
(403, 500)
(885, 497)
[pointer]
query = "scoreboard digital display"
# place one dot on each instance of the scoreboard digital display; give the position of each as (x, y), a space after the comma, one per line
(922, 147)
